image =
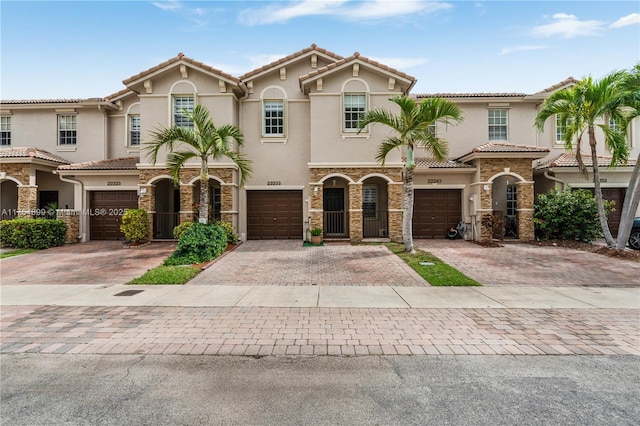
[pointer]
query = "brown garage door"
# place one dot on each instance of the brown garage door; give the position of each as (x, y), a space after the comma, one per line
(435, 211)
(617, 195)
(274, 215)
(107, 208)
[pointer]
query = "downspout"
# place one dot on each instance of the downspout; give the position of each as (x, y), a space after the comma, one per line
(81, 224)
(555, 179)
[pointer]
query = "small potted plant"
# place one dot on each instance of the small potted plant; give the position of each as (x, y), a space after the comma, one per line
(316, 236)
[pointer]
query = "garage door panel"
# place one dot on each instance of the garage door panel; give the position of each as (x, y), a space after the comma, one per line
(435, 211)
(265, 206)
(106, 208)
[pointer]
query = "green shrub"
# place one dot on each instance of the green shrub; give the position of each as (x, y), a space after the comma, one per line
(33, 233)
(316, 232)
(232, 237)
(178, 230)
(135, 225)
(568, 215)
(198, 244)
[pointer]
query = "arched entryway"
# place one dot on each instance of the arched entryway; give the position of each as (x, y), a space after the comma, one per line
(167, 208)
(505, 205)
(335, 203)
(375, 220)
(8, 199)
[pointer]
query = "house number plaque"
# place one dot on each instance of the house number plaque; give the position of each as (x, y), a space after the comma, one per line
(274, 182)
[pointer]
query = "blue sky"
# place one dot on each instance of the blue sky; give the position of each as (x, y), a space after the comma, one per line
(78, 49)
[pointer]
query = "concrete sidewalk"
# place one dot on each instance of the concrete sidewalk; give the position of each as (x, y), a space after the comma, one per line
(321, 296)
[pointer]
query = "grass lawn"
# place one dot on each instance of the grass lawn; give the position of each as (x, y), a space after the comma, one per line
(167, 275)
(436, 272)
(16, 252)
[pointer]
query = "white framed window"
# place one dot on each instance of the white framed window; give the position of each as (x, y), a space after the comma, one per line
(134, 130)
(560, 131)
(353, 106)
(498, 125)
(432, 129)
(5, 131)
(370, 201)
(67, 130)
(180, 103)
(273, 117)
(512, 200)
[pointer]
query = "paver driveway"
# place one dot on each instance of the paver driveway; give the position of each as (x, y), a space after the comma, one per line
(287, 262)
(94, 262)
(531, 265)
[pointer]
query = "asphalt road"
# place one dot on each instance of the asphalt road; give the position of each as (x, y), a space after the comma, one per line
(38, 389)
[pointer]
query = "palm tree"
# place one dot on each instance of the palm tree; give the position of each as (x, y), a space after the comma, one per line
(630, 97)
(203, 141)
(412, 128)
(582, 108)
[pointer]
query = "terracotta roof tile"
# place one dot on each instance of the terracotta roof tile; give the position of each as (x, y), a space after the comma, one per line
(434, 164)
(470, 95)
(48, 101)
(565, 82)
(569, 160)
(356, 55)
(177, 59)
(299, 53)
(31, 153)
(127, 163)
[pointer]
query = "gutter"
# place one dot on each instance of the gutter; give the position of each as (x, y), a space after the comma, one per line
(555, 179)
(81, 222)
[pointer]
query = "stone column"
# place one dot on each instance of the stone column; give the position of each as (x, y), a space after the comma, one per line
(147, 201)
(526, 231)
(355, 212)
(395, 210)
(226, 202)
(72, 219)
(27, 200)
(186, 202)
(317, 206)
(486, 207)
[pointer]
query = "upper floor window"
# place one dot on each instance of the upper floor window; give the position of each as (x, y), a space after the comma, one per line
(134, 130)
(67, 130)
(273, 117)
(354, 105)
(498, 125)
(181, 103)
(5, 131)
(561, 128)
(432, 129)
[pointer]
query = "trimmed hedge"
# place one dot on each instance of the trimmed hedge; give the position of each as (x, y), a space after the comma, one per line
(569, 215)
(199, 243)
(32, 233)
(135, 225)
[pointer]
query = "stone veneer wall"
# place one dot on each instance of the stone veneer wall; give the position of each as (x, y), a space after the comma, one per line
(27, 195)
(72, 219)
(489, 167)
(148, 201)
(394, 191)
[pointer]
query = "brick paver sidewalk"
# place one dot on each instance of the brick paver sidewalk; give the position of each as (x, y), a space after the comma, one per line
(317, 331)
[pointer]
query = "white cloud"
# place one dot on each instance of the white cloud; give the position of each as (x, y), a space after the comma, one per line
(568, 26)
(346, 9)
(400, 63)
(509, 50)
(167, 5)
(625, 21)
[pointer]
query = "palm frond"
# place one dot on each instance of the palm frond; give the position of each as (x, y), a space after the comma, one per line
(175, 161)
(386, 147)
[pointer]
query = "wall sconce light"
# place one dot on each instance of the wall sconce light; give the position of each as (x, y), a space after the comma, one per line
(315, 191)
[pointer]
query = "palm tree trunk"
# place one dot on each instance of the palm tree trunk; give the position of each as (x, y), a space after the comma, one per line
(629, 207)
(407, 217)
(203, 215)
(598, 189)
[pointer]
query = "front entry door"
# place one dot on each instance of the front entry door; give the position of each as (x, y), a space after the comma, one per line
(334, 214)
